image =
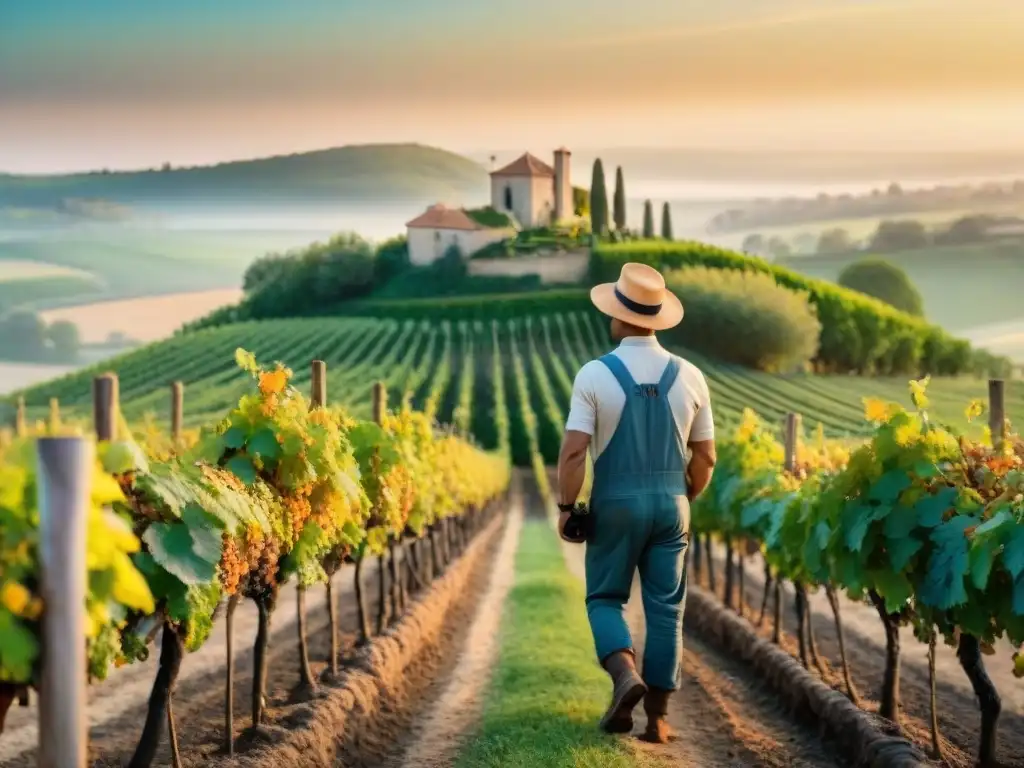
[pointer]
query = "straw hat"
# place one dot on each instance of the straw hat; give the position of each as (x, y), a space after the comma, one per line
(639, 298)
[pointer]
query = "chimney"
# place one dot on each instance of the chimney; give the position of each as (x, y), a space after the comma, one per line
(563, 185)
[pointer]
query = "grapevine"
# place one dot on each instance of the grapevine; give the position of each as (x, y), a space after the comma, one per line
(925, 523)
(273, 492)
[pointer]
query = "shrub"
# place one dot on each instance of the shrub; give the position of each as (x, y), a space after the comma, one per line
(744, 318)
(858, 333)
(392, 259)
(899, 235)
(884, 281)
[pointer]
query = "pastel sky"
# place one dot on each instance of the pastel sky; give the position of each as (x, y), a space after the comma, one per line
(126, 83)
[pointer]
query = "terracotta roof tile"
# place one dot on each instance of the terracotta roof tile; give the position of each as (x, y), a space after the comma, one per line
(527, 165)
(440, 217)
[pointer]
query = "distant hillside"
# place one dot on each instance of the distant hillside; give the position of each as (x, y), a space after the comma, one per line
(377, 173)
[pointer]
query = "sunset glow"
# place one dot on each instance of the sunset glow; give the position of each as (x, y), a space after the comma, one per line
(124, 84)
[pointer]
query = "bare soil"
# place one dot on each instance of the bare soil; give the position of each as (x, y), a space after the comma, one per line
(959, 719)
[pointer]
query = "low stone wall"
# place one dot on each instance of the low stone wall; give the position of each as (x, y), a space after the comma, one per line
(565, 267)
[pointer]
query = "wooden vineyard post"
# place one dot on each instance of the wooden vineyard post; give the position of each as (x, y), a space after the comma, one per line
(104, 406)
(997, 411)
(318, 384)
(177, 411)
(791, 434)
(54, 423)
(65, 474)
(380, 401)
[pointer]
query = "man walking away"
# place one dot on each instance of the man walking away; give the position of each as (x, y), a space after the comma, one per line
(637, 409)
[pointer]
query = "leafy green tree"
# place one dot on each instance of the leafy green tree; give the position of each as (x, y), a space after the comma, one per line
(64, 338)
(778, 248)
(754, 244)
(581, 201)
(902, 235)
(648, 220)
(666, 222)
(598, 201)
(620, 200)
(835, 240)
(22, 336)
(392, 259)
(885, 282)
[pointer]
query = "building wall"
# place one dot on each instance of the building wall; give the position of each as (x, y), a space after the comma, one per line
(563, 187)
(542, 199)
(428, 245)
(554, 268)
(522, 197)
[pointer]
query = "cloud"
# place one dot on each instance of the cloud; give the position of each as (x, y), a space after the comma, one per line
(791, 18)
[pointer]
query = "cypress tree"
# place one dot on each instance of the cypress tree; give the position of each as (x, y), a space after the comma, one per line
(598, 201)
(666, 222)
(620, 200)
(648, 220)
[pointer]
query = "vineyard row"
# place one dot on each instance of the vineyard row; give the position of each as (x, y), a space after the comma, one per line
(283, 488)
(453, 372)
(923, 524)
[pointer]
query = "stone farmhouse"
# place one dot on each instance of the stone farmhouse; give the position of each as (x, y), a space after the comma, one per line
(526, 193)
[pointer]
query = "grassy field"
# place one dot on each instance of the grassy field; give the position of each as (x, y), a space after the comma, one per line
(31, 291)
(122, 262)
(962, 287)
(546, 656)
(449, 370)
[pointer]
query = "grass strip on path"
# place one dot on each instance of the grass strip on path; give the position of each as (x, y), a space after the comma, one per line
(547, 691)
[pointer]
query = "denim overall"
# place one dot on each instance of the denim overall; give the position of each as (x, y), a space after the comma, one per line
(641, 516)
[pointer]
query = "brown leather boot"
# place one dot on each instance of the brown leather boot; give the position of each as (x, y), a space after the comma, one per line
(656, 707)
(627, 690)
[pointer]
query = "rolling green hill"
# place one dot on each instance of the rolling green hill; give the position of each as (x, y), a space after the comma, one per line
(379, 173)
(448, 369)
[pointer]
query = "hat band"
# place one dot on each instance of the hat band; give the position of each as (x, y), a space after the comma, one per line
(634, 306)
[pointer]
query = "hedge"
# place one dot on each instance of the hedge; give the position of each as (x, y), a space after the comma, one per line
(858, 334)
(744, 318)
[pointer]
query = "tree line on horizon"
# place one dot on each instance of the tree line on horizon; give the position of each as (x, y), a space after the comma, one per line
(599, 218)
(890, 236)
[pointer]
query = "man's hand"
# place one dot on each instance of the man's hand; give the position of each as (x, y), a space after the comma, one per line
(563, 518)
(699, 467)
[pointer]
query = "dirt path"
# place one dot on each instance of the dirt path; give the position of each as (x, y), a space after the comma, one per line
(455, 705)
(959, 720)
(722, 715)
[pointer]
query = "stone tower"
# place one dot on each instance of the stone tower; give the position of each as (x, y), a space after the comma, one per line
(563, 185)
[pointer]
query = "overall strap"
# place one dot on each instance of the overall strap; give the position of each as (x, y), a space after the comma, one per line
(668, 378)
(619, 371)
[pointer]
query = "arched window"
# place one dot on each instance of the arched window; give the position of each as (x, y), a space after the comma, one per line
(508, 198)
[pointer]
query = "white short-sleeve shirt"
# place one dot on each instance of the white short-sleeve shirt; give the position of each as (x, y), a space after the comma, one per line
(598, 399)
